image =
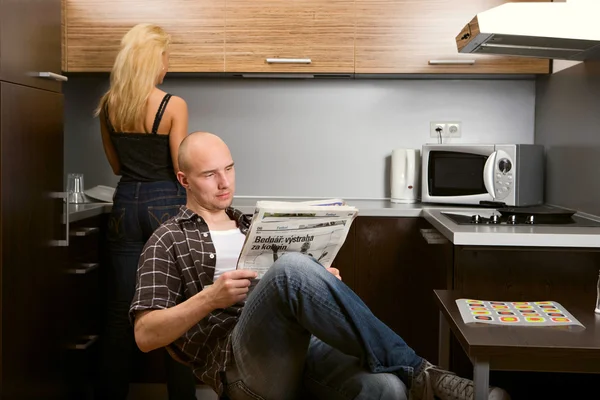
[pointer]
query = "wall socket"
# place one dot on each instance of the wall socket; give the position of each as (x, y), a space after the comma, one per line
(450, 129)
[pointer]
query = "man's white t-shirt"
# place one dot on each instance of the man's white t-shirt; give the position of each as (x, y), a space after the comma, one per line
(228, 246)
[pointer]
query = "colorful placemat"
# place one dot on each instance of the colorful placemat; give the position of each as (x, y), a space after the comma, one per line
(518, 313)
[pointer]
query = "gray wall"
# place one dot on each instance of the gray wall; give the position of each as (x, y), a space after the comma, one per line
(568, 125)
(305, 138)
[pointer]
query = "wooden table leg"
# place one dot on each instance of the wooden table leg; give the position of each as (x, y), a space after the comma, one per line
(481, 378)
(444, 343)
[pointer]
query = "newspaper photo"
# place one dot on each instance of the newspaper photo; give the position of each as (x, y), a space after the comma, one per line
(316, 228)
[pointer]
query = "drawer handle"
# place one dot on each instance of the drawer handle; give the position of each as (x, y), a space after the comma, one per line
(84, 231)
(86, 342)
(451, 62)
(83, 268)
(432, 236)
(289, 60)
(53, 76)
(65, 197)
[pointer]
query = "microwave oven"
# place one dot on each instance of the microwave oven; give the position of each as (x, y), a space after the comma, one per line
(483, 174)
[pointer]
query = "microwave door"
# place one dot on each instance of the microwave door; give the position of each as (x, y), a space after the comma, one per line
(457, 176)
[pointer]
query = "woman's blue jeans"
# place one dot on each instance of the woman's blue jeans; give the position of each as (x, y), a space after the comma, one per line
(138, 209)
(303, 329)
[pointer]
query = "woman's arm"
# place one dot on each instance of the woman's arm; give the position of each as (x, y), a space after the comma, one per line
(179, 127)
(109, 148)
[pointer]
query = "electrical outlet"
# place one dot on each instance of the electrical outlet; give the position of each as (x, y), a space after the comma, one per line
(454, 129)
(448, 129)
(433, 126)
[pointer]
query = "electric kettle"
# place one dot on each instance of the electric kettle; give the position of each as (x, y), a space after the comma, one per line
(405, 175)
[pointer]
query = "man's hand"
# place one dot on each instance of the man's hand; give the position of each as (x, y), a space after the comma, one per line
(335, 272)
(230, 288)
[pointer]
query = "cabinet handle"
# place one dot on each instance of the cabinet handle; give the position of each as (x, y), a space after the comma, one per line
(451, 62)
(84, 231)
(89, 340)
(432, 236)
(52, 75)
(279, 76)
(288, 61)
(83, 268)
(65, 197)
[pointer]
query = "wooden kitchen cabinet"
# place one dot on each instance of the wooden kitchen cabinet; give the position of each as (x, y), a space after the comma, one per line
(85, 303)
(320, 32)
(30, 42)
(399, 262)
(92, 31)
(403, 36)
(275, 36)
(32, 279)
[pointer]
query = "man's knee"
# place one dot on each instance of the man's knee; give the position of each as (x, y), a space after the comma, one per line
(295, 258)
(292, 263)
(384, 386)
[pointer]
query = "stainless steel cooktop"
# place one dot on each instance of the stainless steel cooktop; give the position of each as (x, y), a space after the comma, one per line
(493, 217)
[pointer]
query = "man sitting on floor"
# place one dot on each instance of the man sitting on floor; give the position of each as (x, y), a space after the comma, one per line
(301, 330)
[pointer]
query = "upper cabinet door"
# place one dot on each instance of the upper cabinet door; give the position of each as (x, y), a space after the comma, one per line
(290, 36)
(418, 37)
(92, 32)
(30, 43)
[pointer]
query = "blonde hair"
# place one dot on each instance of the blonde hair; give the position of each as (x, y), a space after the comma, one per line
(134, 75)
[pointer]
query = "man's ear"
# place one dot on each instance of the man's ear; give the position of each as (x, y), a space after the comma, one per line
(182, 179)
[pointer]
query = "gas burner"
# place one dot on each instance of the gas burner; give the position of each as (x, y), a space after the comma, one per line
(476, 219)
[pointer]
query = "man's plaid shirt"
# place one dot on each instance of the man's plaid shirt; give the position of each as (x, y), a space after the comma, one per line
(177, 262)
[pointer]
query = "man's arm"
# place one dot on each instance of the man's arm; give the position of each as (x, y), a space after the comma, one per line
(158, 328)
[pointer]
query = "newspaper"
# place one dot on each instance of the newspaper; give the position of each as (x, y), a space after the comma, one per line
(316, 228)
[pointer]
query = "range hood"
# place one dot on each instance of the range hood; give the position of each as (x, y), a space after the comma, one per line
(564, 31)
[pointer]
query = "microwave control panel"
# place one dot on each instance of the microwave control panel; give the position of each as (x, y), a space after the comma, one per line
(503, 175)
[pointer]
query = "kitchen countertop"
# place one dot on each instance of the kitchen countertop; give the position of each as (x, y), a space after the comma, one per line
(493, 235)
(78, 212)
(369, 208)
(474, 235)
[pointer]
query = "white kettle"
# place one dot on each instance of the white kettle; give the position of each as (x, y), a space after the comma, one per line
(405, 175)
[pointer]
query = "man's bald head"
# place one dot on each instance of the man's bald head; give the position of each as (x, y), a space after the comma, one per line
(197, 145)
(206, 172)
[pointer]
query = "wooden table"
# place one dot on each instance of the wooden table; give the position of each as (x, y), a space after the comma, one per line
(518, 348)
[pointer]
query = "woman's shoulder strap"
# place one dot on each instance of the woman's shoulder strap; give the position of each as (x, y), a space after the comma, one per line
(160, 112)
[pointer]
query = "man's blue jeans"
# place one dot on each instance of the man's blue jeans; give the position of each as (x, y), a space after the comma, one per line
(303, 329)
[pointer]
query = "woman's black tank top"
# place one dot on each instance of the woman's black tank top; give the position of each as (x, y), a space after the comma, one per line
(144, 157)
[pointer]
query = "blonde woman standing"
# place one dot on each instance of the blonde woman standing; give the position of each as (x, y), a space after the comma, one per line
(141, 127)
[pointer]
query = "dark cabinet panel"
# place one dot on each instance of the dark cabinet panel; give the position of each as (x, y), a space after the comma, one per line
(528, 274)
(399, 262)
(30, 42)
(85, 303)
(32, 271)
